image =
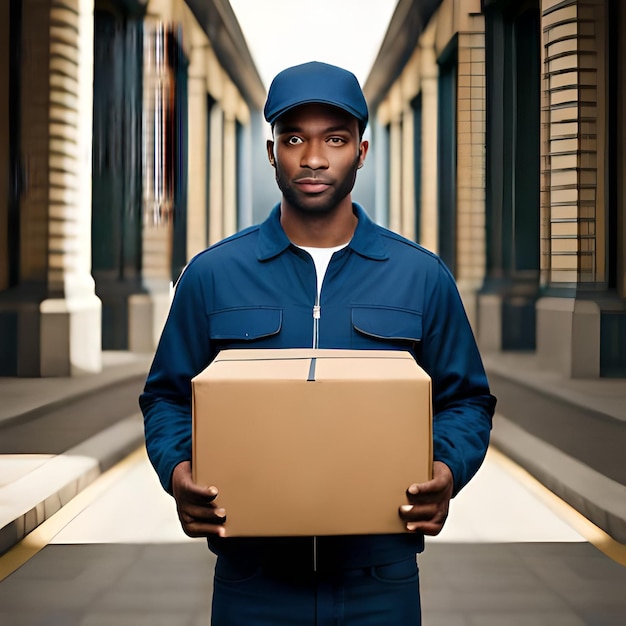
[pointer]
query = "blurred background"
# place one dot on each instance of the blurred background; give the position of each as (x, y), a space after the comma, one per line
(132, 137)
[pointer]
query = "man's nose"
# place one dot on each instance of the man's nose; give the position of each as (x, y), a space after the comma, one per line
(314, 156)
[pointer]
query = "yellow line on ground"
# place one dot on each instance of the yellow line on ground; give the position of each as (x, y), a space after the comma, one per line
(592, 533)
(45, 532)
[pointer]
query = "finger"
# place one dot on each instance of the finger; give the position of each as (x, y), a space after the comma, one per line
(430, 499)
(428, 522)
(202, 514)
(406, 512)
(199, 523)
(184, 487)
(439, 487)
(188, 491)
(202, 496)
(189, 485)
(430, 528)
(437, 483)
(196, 529)
(432, 486)
(416, 495)
(411, 513)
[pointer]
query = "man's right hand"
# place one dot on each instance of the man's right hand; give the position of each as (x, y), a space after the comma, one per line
(197, 511)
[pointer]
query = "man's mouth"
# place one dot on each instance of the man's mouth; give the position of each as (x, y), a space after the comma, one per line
(312, 185)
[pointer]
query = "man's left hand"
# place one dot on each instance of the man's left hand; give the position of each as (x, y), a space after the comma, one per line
(429, 502)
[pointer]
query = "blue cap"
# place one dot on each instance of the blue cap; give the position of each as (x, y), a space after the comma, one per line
(315, 82)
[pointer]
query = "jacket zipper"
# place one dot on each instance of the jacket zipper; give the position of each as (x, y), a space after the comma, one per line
(317, 312)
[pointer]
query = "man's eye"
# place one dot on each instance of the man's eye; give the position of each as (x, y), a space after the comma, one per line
(293, 141)
(337, 140)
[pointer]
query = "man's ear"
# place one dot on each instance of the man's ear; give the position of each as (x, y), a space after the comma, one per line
(270, 152)
(363, 148)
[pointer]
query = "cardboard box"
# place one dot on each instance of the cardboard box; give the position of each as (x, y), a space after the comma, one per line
(312, 442)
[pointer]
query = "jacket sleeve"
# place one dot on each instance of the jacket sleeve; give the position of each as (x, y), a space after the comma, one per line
(184, 350)
(463, 406)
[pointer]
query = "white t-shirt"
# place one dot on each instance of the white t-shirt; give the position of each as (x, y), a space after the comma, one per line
(321, 258)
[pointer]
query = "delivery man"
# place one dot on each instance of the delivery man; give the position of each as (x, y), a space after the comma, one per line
(318, 273)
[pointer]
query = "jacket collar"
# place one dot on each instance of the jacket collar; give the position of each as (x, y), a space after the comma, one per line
(366, 240)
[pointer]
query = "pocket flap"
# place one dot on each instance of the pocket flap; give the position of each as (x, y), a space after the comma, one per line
(245, 324)
(387, 323)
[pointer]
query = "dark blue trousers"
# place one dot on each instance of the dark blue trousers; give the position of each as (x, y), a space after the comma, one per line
(251, 595)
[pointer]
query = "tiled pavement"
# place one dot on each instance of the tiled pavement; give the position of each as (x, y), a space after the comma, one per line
(58, 434)
(461, 585)
(503, 559)
(569, 433)
(470, 578)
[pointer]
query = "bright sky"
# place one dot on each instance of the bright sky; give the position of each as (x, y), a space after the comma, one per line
(281, 33)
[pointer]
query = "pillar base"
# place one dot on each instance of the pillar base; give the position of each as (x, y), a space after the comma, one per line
(49, 337)
(147, 313)
(489, 326)
(507, 321)
(568, 336)
(115, 295)
(468, 292)
(70, 336)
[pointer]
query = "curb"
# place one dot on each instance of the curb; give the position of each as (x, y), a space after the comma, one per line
(61, 477)
(30, 398)
(597, 497)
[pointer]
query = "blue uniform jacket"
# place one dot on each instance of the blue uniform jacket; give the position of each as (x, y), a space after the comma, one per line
(257, 290)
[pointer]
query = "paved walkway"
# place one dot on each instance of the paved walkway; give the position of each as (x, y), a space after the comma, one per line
(503, 560)
(57, 435)
(117, 555)
(570, 434)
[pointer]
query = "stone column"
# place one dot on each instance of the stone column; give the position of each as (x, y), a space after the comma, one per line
(407, 195)
(573, 194)
(197, 183)
(56, 316)
(429, 72)
(506, 302)
(147, 311)
(216, 187)
(71, 315)
(395, 159)
(470, 175)
(230, 160)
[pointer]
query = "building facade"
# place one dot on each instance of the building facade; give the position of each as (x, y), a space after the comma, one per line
(129, 130)
(505, 137)
(124, 130)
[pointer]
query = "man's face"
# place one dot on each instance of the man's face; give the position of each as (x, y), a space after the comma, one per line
(316, 152)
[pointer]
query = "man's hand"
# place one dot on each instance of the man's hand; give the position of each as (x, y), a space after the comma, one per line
(197, 511)
(429, 502)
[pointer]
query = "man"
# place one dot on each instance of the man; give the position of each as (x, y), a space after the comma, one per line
(318, 273)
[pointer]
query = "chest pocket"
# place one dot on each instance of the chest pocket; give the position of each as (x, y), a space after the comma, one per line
(383, 324)
(245, 324)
